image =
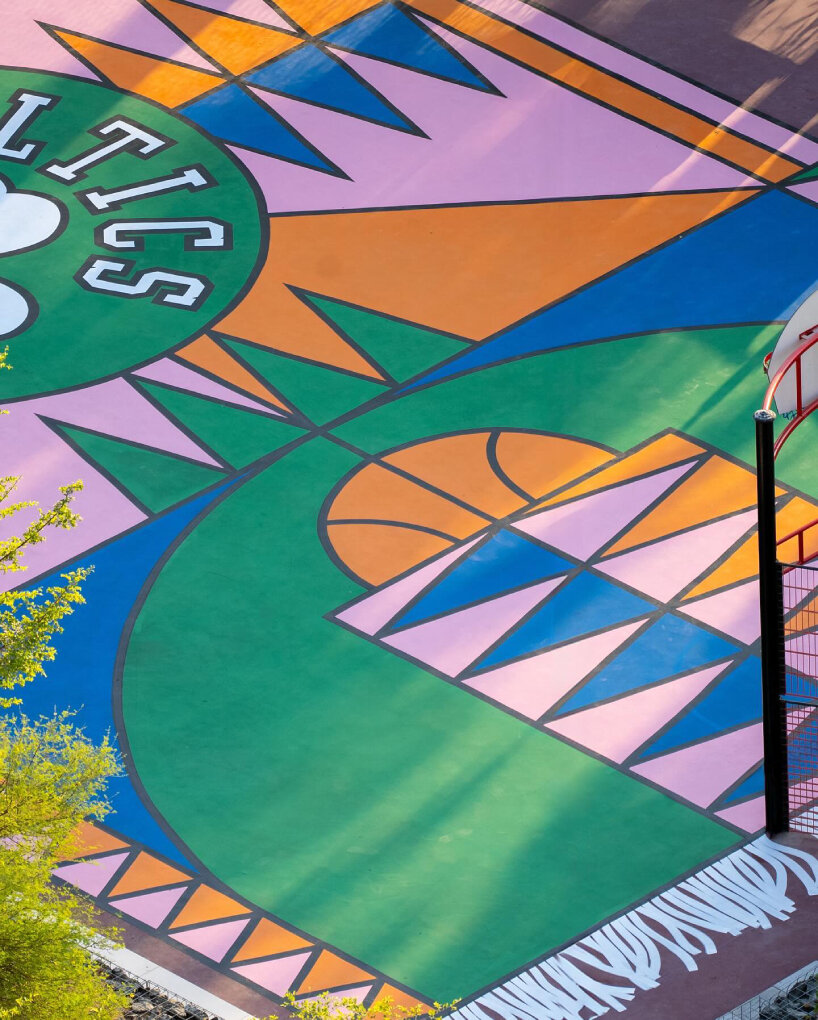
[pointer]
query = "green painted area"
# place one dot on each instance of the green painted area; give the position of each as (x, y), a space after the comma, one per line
(237, 435)
(81, 334)
(156, 479)
(807, 175)
(354, 794)
(319, 393)
(706, 382)
(401, 348)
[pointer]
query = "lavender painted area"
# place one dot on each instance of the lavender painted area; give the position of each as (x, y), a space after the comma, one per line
(150, 908)
(45, 462)
(91, 876)
(274, 975)
(253, 10)
(610, 57)
(480, 148)
(125, 22)
(212, 940)
(735, 611)
(807, 190)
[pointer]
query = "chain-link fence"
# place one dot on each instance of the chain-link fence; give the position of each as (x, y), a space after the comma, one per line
(794, 998)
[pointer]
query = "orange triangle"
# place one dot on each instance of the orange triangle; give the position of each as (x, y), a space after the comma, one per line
(330, 971)
(399, 999)
(236, 44)
(269, 939)
(379, 552)
(163, 81)
(744, 561)
(87, 839)
(470, 270)
(147, 872)
(662, 452)
(716, 488)
(316, 17)
(208, 904)
(207, 354)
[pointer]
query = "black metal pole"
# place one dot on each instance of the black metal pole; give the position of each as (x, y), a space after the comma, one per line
(776, 793)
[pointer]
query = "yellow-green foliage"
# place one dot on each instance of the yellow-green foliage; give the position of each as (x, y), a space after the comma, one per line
(51, 777)
(327, 1007)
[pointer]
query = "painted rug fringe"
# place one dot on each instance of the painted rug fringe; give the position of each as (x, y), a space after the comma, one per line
(747, 889)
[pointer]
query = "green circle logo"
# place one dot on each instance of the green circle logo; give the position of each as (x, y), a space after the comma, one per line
(124, 231)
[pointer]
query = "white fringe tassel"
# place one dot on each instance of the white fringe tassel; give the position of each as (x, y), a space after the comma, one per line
(747, 889)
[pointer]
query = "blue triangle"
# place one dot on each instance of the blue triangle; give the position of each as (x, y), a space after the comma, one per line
(80, 677)
(232, 115)
(719, 274)
(667, 647)
(752, 786)
(386, 33)
(736, 699)
(586, 604)
(309, 73)
(504, 561)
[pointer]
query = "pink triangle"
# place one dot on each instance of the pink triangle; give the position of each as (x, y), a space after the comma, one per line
(212, 940)
(274, 975)
(452, 642)
(701, 772)
(734, 612)
(531, 686)
(150, 908)
(616, 729)
(663, 568)
(584, 525)
(91, 876)
(252, 10)
(748, 816)
(374, 612)
(173, 374)
(359, 993)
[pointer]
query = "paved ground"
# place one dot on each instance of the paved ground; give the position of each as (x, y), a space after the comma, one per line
(408, 355)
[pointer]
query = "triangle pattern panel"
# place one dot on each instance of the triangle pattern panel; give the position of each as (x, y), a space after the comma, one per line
(177, 376)
(147, 872)
(156, 480)
(212, 940)
(503, 561)
(702, 772)
(662, 569)
(162, 81)
(316, 390)
(149, 908)
(388, 33)
(734, 611)
(310, 74)
(617, 728)
(585, 604)
(669, 646)
(234, 116)
(373, 612)
(207, 354)
(358, 993)
(316, 18)
(252, 10)
(532, 686)
(234, 43)
(717, 488)
(208, 904)
(583, 526)
(451, 643)
(330, 971)
(91, 876)
(402, 348)
(734, 701)
(269, 939)
(274, 975)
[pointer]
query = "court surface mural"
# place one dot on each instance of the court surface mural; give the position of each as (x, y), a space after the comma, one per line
(407, 353)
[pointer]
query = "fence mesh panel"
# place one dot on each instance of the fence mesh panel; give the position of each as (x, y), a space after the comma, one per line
(800, 590)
